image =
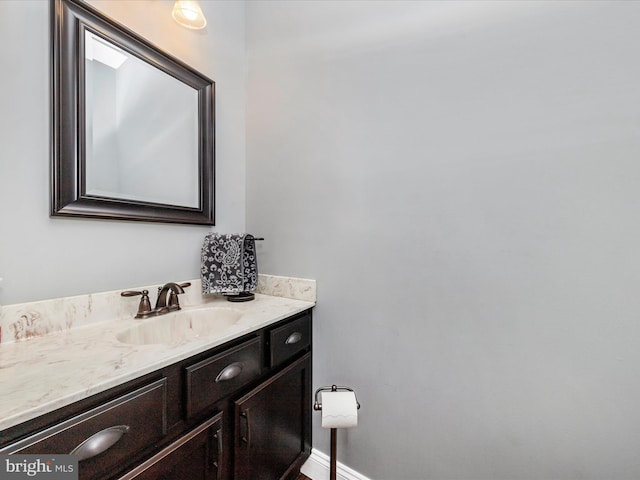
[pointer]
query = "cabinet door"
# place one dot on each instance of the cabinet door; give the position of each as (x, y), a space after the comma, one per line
(273, 425)
(195, 456)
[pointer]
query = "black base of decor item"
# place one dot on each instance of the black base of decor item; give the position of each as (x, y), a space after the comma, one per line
(240, 297)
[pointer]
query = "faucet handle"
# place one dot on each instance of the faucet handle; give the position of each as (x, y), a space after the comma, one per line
(144, 308)
(174, 304)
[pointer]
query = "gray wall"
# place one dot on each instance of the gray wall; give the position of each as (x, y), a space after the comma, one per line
(43, 257)
(462, 180)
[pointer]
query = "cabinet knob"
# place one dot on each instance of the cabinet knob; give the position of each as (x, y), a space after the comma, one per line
(229, 372)
(99, 442)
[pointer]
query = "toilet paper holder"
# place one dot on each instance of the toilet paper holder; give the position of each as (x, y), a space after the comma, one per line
(334, 436)
(333, 388)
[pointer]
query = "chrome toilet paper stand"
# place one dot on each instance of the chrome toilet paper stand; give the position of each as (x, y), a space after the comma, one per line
(334, 431)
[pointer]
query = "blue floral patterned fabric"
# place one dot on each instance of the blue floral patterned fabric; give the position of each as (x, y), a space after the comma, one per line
(229, 263)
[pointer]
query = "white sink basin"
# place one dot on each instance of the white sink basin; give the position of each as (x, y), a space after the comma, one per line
(181, 326)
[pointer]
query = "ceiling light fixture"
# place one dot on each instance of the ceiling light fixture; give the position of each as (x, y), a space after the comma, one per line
(189, 14)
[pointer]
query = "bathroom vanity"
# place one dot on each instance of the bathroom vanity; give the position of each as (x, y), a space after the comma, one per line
(231, 406)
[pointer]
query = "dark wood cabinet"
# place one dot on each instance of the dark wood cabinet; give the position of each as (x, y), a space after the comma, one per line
(107, 435)
(196, 455)
(221, 375)
(239, 411)
(287, 340)
(272, 425)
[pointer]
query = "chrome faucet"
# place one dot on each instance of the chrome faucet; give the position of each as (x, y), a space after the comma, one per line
(162, 304)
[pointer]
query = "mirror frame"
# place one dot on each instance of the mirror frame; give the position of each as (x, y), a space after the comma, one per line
(69, 20)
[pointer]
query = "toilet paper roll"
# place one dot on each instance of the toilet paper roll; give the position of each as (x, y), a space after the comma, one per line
(339, 410)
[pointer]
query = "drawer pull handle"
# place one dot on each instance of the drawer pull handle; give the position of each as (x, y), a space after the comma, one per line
(229, 372)
(99, 442)
(295, 337)
(246, 438)
(217, 463)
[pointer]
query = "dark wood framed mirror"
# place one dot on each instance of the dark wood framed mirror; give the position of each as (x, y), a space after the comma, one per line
(132, 128)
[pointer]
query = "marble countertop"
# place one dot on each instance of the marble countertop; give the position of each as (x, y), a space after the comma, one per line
(42, 374)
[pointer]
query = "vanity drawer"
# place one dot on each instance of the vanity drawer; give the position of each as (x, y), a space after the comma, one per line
(216, 377)
(106, 437)
(289, 339)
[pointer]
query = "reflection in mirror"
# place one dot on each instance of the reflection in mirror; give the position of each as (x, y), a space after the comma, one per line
(132, 127)
(138, 122)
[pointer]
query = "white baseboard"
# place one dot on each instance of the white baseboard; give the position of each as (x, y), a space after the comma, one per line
(317, 468)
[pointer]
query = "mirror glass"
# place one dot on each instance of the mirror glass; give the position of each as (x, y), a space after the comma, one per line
(132, 127)
(138, 123)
